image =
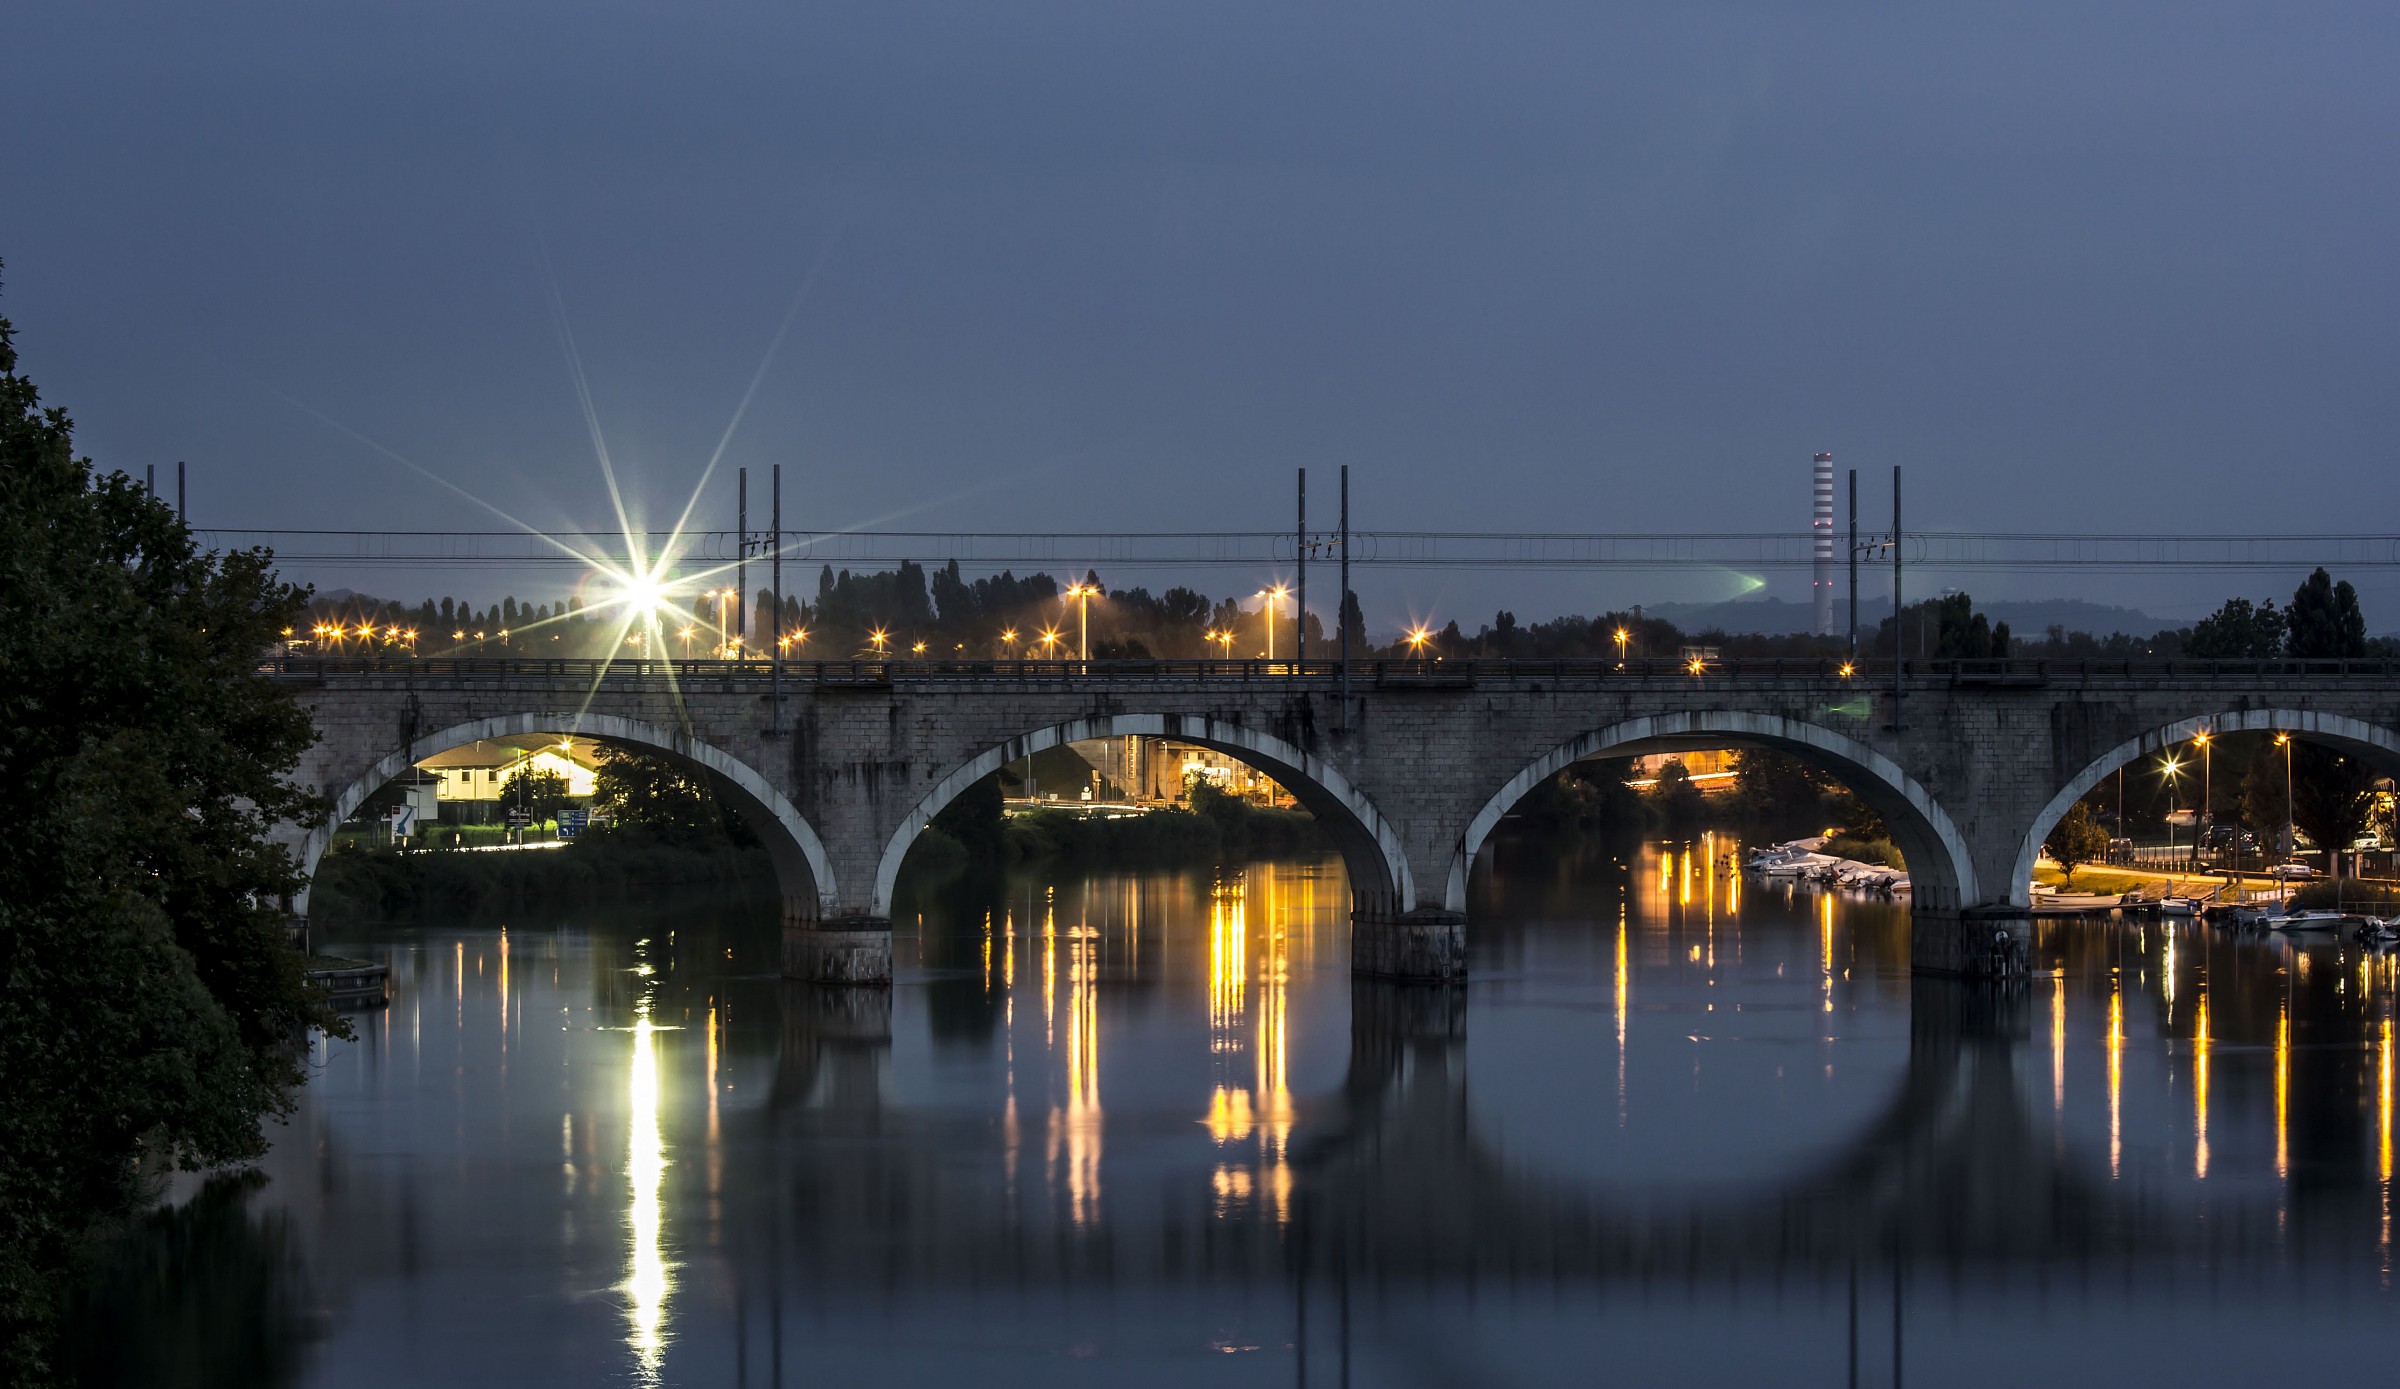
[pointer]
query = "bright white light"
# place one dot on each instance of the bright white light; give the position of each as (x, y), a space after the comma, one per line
(639, 594)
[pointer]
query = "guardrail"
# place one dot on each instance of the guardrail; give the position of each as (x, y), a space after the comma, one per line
(1865, 674)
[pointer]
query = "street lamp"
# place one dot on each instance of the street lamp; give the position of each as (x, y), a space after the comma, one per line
(1082, 594)
(2291, 842)
(2172, 770)
(1049, 641)
(1417, 637)
(1623, 636)
(2207, 789)
(1273, 596)
(917, 650)
(1008, 644)
(877, 638)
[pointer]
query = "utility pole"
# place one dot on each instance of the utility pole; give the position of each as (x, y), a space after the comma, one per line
(1343, 621)
(180, 513)
(1300, 603)
(775, 569)
(1854, 564)
(741, 556)
(1899, 613)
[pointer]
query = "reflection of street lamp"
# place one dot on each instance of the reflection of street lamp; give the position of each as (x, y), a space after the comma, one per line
(1272, 595)
(1082, 594)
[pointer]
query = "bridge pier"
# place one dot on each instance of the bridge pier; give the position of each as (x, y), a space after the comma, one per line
(838, 950)
(1973, 944)
(1428, 945)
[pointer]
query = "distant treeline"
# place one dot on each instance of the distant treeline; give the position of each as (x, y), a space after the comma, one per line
(940, 613)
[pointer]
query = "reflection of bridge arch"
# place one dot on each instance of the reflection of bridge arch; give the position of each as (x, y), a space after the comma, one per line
(801, 867)
(1941, 867)
(2378, 746)
(1372, 851)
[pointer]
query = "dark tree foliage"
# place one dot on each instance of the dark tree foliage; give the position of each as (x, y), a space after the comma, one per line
(1676, 801)
(2077, 838)
(2324, 621)
(2237, 631)
(658, 796)
(2331, 795)
(1778, 791)
(541, 794)
(151, 1011)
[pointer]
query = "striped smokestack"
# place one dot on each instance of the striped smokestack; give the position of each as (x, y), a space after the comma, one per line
(1822, 529)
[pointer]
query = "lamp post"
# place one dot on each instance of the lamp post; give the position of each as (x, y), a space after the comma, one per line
(1082, 594)
(2172, 770)
(2207, 791)
(1622, 637)
(1272, 596)
(2291, 841)
(877, 639)
(1008, 644)
(1417, 638)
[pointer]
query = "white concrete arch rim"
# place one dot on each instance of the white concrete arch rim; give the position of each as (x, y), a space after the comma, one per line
(2332, 728)
(607, 727)
(1769, 730)
(1319, 776)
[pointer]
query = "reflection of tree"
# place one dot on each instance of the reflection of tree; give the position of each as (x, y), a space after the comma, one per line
(197, 1294)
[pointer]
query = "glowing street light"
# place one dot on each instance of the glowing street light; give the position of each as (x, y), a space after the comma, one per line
(1050, 641)
(1623, 637)
(1224, 640)
(1267, 610)
(918, 649)
(1848, 670)
(1418, 636)
(2172, 770)
(2291, 841)
(877, 639)
(1082, 594)
(2207, 786)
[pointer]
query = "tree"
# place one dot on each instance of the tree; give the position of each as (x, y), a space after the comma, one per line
(149, 1000)
(2237, 631)
(640, 790)
(2331, 796)
(540, 793)
(1677, 801)
(1778, 789)
(2076, 838)
(2324, 621)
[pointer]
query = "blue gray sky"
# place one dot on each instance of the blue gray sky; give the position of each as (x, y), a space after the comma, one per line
(1579, 266)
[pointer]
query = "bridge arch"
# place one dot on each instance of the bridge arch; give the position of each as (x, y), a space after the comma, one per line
(802, 869)
(1372, 850)
(1941, 867)
(2374, 744)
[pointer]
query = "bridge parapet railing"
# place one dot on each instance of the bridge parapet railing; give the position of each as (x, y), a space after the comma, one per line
(1379, 672)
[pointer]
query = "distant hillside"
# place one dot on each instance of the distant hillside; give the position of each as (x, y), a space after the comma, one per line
(1776, 617)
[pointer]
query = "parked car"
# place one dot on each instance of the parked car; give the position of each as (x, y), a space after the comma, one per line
(2291, 870)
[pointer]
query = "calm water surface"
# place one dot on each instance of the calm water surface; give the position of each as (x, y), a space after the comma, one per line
(1146, 1129)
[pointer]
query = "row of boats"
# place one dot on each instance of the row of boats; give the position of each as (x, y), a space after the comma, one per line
(1804, 860)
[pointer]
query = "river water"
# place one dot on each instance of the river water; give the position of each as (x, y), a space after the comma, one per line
(1144, 1128)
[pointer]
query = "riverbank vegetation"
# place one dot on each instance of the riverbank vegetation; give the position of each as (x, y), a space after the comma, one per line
(152, 1010)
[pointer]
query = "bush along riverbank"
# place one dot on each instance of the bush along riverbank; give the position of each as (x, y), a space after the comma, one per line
(1215, 828)
(358, 883)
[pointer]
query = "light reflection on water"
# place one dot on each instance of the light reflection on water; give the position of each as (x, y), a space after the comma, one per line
(1200, 1152)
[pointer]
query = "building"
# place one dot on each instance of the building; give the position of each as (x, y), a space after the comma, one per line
(471, 775)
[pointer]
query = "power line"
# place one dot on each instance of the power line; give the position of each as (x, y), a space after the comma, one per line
(1958, 551)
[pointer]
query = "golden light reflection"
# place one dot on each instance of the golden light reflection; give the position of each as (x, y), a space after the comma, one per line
(2283, 1091)
(2058, 1046)
(2200, 1090)
(2116, 1076)
(504, 990)
(646, 1282)
(1074, 1128)
(1825, 941)
(2383, 1109)
(1624, 986)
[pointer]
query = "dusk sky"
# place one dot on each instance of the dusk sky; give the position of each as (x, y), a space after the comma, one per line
(1573, 267)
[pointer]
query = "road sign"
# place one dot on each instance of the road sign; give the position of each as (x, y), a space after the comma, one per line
(571, 823)
(520, 818)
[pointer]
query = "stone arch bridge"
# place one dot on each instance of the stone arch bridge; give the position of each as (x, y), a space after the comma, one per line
(839, 765)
